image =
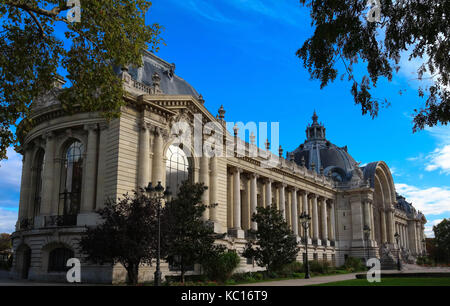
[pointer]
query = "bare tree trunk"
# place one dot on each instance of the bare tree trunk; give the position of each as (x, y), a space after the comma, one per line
(132, 273)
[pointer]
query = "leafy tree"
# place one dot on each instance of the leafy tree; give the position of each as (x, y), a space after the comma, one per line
(187, 239)
(274, 245)
(408, 28)
(109, 34)
(442, 241)
(128, 234)
(5, 242)
(221, 266)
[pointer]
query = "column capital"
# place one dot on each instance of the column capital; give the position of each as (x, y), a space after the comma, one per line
(103, 126)
(48, 135)
(90, 127)
(303, 192)
(268, 180)
(254, 175)
(312, 195)
(145, 126)
(236, 170)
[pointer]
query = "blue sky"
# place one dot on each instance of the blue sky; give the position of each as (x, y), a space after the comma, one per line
(241, 53)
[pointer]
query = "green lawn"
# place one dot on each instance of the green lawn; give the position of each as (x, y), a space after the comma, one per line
(401, 281)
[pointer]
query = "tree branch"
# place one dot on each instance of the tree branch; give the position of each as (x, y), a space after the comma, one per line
(37, 10)
(41, 29)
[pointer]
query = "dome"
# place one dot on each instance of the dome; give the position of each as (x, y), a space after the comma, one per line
(318, 154)
(170, 83)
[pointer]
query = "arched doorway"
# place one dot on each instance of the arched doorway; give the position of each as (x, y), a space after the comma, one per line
(23, 261)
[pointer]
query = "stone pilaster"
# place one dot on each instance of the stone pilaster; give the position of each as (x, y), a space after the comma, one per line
(204, 178)
(323, 206)
(90, 169)
(47, 181)
(282, 189)
(237, 228)
(253, 198)
(269, 192)
(25, 185)
(315, 219)
(294, 213)
(144, 156)
(103, 142)
(332, 222)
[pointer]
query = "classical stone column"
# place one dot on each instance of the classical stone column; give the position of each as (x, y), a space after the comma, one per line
(158, 167)
(47, 181)
(383, 226)
(315, 219)
(390, 220)
(90, 177)
(237, 198)
(268, 192)
(103, 141)
(237, 228)
(282, 190)
(294, 215)
(323, 206)
(144, 156)
(25, 188)
(332, 221)
(213, 189)
(372, 221)
(204, 178)
(367, 215)
(253, 198)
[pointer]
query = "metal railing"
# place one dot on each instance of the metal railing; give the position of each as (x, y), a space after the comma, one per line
(62, 220)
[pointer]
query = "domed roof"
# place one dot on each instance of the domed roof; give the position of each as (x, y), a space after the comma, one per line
(170, 83)
(318, 154)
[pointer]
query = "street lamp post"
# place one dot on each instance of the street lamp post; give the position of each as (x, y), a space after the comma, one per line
(305, 221)
(399, 265)
(366, 237)
(424, 250)
(158, 193)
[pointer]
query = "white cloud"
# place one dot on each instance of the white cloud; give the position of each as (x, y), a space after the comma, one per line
(11, 170)
(430, 201)
(439, 159)
(8, 221)
(429, 227)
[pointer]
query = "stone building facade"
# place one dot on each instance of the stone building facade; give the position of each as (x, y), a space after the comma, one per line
(73, 163)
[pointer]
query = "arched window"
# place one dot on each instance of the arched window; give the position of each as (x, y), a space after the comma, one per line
(72, 175)
(39, 168)
(58, 258)
(177, 168)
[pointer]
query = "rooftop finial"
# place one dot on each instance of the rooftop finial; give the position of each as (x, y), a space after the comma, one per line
(221, 113)
(315, 117)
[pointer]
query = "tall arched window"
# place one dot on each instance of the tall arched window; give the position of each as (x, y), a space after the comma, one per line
(57, 260)
(72, 175)
(177, 168)
(39, 168)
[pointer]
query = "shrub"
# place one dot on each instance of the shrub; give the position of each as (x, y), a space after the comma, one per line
(424, 260)
(354, 264)
(320, 267)
(291, 268)
(221, 267)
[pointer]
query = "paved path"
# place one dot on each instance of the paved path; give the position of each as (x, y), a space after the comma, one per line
(306, 282)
